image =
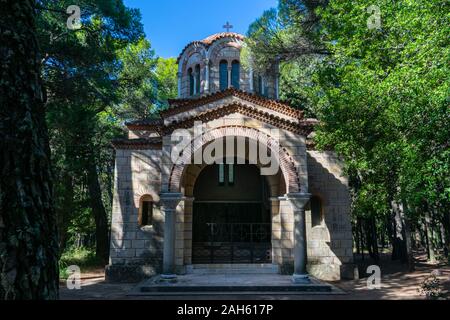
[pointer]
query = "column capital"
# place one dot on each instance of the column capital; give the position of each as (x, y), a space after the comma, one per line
(171, 200)
(298, 200)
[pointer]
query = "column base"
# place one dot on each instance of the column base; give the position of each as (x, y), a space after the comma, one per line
(171, 278)
(301, 279)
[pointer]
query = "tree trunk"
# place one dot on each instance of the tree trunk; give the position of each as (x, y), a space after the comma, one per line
(356, 236)
(374, 234)
(446, 228)
(361, 233)
(64, 213)
(28, 233)
(402, 235)
(430, 242)
(98, 209)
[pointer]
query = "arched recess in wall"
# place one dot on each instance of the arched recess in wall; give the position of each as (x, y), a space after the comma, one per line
(145, 211)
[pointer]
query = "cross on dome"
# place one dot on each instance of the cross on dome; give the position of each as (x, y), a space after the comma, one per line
(228, 26)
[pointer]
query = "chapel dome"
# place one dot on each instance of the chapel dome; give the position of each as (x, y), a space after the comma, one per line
(214, 64)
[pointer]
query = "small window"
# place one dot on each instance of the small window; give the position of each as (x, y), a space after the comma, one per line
(235, 74)
(146, 211)
(316, 211)
(223, 75)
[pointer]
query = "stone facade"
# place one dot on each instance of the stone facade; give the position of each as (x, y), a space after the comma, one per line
(145, 170)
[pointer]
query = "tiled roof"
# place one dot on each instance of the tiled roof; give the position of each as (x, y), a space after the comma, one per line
(303, 127)
(218, 36)
(137, 144)
(182, 105)
(145, 124)
(211, 39)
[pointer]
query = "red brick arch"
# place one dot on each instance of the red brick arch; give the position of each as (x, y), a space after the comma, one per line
(286, 162)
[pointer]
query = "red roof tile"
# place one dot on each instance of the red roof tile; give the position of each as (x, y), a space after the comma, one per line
(211, 39)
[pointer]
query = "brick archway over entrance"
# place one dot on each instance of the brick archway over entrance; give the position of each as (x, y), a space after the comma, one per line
(286, 162)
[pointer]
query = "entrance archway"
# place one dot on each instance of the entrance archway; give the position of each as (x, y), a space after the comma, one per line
(231, 216)
(183, 178)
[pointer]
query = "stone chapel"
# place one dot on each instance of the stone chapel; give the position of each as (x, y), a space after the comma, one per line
(172, 215)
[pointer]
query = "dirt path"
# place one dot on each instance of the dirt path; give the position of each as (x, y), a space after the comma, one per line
(396, 284)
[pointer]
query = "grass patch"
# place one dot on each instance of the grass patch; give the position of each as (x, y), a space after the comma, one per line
(84, 258)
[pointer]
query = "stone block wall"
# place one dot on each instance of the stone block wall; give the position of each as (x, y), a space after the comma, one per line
(135, 251)
(330, 245)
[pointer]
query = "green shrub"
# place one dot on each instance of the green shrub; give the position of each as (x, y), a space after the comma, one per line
(82, 257)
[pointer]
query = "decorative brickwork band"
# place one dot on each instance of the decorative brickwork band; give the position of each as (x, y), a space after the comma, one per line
(286, 162)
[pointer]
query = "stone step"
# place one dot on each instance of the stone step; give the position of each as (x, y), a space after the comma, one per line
(311, 288)
(195, 284)
(233, 269)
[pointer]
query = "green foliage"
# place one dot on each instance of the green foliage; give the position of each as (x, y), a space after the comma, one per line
(385, 101)
(84, 258)
(381, 95)
(167, 81)
(96, 78)
(284, 35)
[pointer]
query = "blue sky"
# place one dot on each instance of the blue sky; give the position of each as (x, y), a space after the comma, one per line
(171, 24)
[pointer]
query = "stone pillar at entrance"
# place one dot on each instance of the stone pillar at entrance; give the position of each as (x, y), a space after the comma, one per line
(298, 202)
(169, 203)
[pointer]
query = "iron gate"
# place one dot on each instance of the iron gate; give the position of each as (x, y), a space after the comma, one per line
(234, 243)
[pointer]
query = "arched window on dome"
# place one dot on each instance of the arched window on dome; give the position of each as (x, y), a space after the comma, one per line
(223, 75)
(235, 74)
(260, 85)
(197, 78)
(191, 82)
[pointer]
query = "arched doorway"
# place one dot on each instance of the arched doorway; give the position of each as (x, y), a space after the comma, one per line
(231, 216)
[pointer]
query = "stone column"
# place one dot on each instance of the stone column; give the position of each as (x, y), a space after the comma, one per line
(277, 86)
(187, 230)
(180, 75)
(263, 86)
(195, 83)
(206, 88)
(230, 68)
(169, 203)
(276, 230)
(298, 202)
(251, 73)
